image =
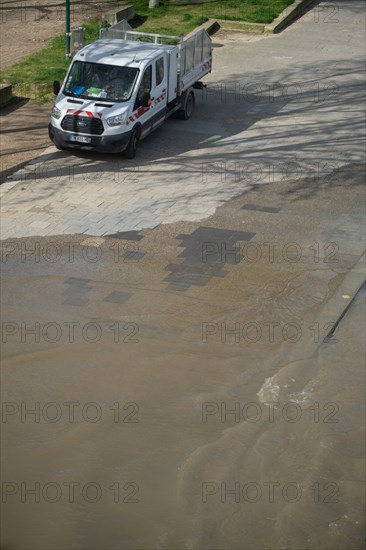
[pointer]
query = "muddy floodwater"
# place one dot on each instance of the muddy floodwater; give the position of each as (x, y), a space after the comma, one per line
(136, 418)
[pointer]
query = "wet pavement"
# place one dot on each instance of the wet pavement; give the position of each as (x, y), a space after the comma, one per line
(177, 372)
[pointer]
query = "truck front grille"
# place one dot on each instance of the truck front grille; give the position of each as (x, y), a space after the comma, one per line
(82, 124)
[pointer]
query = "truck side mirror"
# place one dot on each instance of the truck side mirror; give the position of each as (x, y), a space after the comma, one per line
(56, 87)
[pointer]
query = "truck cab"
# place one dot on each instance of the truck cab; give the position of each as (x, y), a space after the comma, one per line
(115, 93)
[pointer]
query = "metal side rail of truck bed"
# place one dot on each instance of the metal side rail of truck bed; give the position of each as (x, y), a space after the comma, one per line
(194, 52)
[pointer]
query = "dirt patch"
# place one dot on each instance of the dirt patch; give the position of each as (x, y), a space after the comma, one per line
(26, 27)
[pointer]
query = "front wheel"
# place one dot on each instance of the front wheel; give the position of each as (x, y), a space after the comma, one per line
(52, 138)
(187, 110)
(130, 151)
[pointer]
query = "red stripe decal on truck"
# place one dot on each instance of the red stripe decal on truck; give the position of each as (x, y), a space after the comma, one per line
(160, 98)
(139, 112)
(88, 113)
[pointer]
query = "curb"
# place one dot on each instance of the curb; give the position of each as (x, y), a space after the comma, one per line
(211, 26)
(291, 12)
(297, 9)
(302, 360)
(6, 94)
(343, 297)
(329, 315)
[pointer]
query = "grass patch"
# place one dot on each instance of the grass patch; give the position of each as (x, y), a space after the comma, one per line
(33, 76)
(254, 11)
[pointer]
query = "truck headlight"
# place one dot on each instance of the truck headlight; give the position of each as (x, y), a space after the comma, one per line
(56, 113)
(117, 120)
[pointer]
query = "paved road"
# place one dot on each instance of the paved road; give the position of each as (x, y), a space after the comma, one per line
(166, 290)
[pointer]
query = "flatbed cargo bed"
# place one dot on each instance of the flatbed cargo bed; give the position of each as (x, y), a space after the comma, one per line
(194, 54)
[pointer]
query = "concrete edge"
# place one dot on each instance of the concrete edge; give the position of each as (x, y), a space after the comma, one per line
(211, 26)
(124, 11)
(285, 17)
(296, 9)
(328, 316)
(6, 94)
(342, 298)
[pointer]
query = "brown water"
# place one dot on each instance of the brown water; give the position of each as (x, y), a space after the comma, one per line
(156, 458)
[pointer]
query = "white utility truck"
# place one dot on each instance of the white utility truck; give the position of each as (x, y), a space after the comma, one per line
(118, 90)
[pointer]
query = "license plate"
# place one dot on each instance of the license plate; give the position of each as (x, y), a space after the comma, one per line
(80, 139)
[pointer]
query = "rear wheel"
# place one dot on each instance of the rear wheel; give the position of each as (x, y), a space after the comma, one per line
(187, 110)
(130, 151)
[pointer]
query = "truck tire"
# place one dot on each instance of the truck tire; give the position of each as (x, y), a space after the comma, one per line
(130, 151)
(187, 110)
(52, 138)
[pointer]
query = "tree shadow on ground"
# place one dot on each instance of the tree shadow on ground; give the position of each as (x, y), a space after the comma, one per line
(311, 116)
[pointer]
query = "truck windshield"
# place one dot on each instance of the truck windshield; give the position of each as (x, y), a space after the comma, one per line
(99, 81)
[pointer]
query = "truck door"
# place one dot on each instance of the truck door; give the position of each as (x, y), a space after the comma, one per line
(141, 113)
(159, 93)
